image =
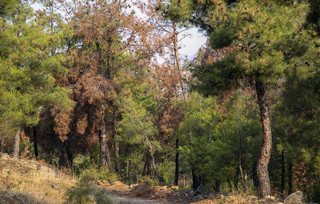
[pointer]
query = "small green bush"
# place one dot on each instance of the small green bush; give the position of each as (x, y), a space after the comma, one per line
(94, 175)
(148, 181)
(85, 190)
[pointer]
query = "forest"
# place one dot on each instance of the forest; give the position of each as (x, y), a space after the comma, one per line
(102, 84)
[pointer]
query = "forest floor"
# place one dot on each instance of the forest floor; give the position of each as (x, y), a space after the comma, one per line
(30, 181)
(142, 193)
(25, 181)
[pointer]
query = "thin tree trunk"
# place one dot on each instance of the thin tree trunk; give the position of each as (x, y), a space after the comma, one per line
(290, 178)
(236, 178)
(116, 143)
(16, 147)
(177, 59)
(240, 144)
(108, 156)
(176, 179)
(262, 168)
(154, 166)
(103, 144)
(128, 169)
(217, 185)
(1, 143)
(69, 156)
(196, 180)
(283, 171)
(35, 145)
(63, 160)
(108, 71)
(145, 167)
(254, 175)
(178, 63)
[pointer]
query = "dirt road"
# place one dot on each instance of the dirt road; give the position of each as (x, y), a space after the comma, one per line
(121, 199)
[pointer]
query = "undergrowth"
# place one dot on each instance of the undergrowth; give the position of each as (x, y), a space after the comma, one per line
(85, 190)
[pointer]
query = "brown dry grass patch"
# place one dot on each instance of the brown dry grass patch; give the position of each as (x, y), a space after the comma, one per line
(33, 179)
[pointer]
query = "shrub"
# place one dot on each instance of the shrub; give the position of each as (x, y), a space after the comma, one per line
(85, 190)
(148, 181)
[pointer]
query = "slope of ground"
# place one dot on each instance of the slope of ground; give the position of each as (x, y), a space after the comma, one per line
(32, 182)
(29, 181)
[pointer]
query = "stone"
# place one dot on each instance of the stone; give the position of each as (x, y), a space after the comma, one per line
(55, 186)
(200, 190)
(252, 197)
(269, 197)
(295, 198)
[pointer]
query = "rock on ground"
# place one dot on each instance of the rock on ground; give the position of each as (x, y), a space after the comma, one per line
(295, 198)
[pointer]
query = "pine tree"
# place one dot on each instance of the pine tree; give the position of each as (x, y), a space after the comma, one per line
(27, 67)
(249, 39)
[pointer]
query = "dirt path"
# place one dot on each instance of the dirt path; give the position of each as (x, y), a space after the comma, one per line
(122, 199)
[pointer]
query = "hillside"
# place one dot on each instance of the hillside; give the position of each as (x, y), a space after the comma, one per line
(31, 181)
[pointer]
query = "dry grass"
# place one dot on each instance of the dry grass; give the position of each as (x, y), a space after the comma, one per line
(34, 180)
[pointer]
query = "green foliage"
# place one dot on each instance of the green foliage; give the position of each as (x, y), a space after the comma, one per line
(27, 65)
(82, 163)
(136, 125)
(175, 10)
(94, 174)
(148, 181)
(199, 131)
(256, 37)
(166, 171)
(84, 193)
(85, 190)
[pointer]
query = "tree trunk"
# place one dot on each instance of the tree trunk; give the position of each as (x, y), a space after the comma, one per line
(108, 156)
(262, 168)
(1, 143)
(116, 143)
(103, 144)
(108, 71)
(254, 175)
(176, 178)
(290, 178)
(63, 160)
(146, 163)
(35, 145)
(177, 59)
(16, 147)
(240, 144)
(196, 180)
(283, 171)
(217, 185)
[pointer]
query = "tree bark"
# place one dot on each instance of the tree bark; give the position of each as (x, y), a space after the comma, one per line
(108, 156)
(108, 71)
(16, 147)
(262, 168)
(103, 144)
(240, 144)
(116, 143)
(145, 167)
(177, 59)
(254, 175)
(196, 180)
(217, 185)
(283, 171)
(1, 143)
(65, 159)
(290, 175)
(35, 144)
(176, 178)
